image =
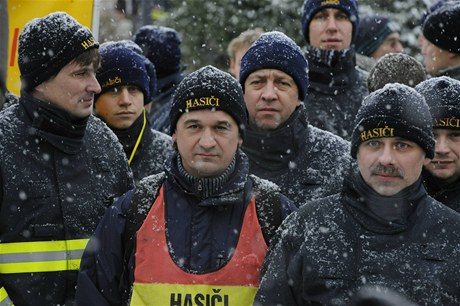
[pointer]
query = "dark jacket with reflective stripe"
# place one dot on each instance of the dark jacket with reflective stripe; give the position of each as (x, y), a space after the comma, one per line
(332, 247)
(202, 233)
(56, 184)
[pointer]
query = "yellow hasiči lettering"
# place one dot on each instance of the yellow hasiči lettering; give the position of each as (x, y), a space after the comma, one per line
(110, 82)
(377, 133)
(199, 299)
(88, 43)
(447, 122)
(202, 101)
(328, 2)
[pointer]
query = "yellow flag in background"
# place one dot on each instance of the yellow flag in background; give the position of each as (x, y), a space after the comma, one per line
(22, 11)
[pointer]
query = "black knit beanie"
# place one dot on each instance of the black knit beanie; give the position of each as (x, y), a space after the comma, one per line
(49, 43)
(122, 65)
(396, 110)
(161, 45)
(442, 94)
(441, 27)
(275, 50)
(209, 88)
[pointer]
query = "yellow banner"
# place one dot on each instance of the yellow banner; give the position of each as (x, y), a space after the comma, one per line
(188, 295)
(22, 11)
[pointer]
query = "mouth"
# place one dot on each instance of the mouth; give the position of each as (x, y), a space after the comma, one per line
(440, 163)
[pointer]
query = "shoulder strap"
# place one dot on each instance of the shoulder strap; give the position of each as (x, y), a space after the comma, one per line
(268, 206)
(143, 198)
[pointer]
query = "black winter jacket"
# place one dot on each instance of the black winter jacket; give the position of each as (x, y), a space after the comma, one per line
(448, 194)
(151, 153)
(57, 178)
(336, 90)
(305, 162)
(201, 233)
(161, 104)
(330, 248)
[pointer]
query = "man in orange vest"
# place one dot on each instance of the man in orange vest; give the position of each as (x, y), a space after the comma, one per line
(197, 233)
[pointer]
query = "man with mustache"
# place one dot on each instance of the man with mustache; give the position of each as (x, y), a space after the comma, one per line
(197, 233)
(60, 166)
(306, 162)
(442, 175)
(383, 229)
(128, 80)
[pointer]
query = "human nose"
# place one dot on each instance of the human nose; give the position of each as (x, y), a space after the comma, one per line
(207, 139)
(398, 48)
(124, 97)
(94, 85)
(441, 146)
(269, 91)
(387, 155)
(331, 24)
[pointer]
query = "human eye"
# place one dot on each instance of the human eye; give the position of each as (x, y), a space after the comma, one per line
(401, 146)
(320, 16)
(373, 143)
(223, 127)
(455, 136)
(133, 89)
(342, 16)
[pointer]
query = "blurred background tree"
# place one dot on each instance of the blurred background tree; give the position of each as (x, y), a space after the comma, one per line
(206, 27)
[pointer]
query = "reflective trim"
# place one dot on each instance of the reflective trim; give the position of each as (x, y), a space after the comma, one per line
(4, 299)
(41, 256)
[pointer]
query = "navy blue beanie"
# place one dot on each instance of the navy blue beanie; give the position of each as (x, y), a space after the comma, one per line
(161, 45)
(311, 7)
(275, 50)
(442, 94)
(395, 110)
(372, 31)
(49, 43)
(121, 66)
(441, 27)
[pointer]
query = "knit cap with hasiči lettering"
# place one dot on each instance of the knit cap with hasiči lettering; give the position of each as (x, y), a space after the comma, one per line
(442, 94)
(395, 110)
(213, 89)
(49, 43)
(121, 65)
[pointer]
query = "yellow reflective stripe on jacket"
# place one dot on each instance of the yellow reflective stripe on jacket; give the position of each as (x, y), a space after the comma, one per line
(41, 256)
(4, 299)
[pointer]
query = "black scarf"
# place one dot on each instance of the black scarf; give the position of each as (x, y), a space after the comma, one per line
(382, 214)
(128, 136)
(274, 150)
(54, 124)
(331, 71)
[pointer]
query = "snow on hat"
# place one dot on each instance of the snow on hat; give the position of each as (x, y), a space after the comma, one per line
(275, 50)
(395, 68)
(372, 31)
(161, 45)
(121, 65)
(431, 9)
(311, 7)
(441, 27)
(209, 88)
(442, 94)
(49, 43)
(396, 110)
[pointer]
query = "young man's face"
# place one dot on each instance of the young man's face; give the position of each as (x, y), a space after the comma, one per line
(207, 141)
(446, 162)
(330, 29)
(271, 97)
(120, 106)
(435, 59)
(72, 90)
(391, 44)
(235, 63)
(390, 164)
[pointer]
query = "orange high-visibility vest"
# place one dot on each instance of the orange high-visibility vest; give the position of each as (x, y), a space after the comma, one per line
(159, 281)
